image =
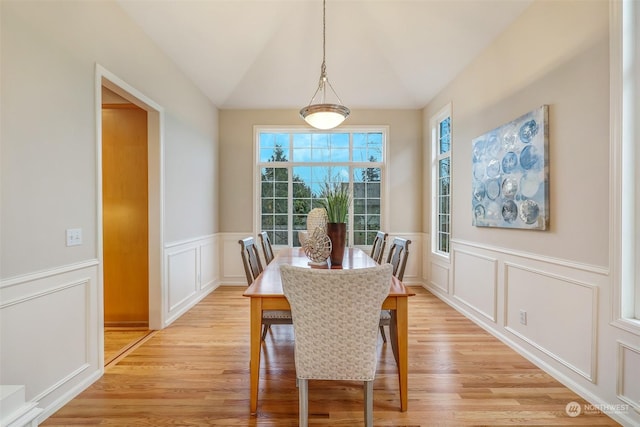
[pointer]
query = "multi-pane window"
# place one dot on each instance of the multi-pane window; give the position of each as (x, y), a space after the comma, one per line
(294, 167)
(441, 181)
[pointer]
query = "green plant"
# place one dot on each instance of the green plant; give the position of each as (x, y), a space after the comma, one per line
(335, 198)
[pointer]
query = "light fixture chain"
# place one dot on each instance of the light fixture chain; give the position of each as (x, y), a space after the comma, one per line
(324, 32)
(324, 116)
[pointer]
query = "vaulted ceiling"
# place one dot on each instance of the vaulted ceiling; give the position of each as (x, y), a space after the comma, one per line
(267, 53)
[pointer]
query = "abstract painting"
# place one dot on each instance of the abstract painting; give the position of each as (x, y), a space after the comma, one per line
(510, 185)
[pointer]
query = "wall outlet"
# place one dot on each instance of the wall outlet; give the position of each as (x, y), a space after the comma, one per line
(523, 317)
(74, 236)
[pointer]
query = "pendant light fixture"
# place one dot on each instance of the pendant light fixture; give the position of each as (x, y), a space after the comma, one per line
(323, 115)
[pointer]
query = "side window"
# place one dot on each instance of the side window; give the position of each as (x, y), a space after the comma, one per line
(441, 181)
(625, 163)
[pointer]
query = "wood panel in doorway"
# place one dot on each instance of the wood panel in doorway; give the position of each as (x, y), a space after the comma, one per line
(125, 215)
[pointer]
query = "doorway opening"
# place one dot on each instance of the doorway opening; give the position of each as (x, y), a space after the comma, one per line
(129, 215)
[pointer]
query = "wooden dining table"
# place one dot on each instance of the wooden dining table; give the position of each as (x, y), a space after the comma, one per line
(266, 294)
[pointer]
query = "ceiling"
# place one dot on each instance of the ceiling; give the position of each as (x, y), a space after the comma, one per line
(267, 54)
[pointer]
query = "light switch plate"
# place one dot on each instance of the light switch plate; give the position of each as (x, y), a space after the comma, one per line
(74, 236)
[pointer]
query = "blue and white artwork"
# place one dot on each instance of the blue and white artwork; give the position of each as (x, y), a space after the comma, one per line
(510, 186)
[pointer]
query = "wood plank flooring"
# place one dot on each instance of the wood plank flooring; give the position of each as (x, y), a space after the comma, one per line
(196, 373)
(118, 340)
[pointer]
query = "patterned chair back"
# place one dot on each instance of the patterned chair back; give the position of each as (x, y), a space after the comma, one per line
(343, 348)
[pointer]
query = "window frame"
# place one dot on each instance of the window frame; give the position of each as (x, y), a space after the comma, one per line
(384, 171)
(436, 157)
(624, 249)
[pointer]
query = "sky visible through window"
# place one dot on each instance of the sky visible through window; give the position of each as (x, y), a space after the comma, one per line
(331, 148)
(296, 166)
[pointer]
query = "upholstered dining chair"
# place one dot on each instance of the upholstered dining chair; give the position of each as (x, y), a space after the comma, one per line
(398, 255)
(345, 348)
(377, 249)
(267, 250)
(252, 269)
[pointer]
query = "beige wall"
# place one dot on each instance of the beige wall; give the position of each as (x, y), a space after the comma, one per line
(49, 52)
(49, 183)
(556, 54)
(404, 167)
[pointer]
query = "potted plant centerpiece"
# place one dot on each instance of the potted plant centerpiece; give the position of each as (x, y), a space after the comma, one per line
(335, 199)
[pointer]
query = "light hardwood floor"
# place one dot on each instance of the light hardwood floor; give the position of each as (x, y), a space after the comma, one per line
(118, 340)
(196, 373)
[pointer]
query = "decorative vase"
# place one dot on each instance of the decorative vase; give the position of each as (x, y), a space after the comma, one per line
(337, 232)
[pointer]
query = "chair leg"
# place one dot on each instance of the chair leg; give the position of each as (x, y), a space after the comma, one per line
(265, 328)
(384, 337)
(368, 403)
(303, 401)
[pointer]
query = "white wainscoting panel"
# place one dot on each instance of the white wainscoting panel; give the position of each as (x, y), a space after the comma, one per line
(190, 272)
(560, 315)
(628, 383)
(440, 276)
(51, 314)
(476, 282)
(568, 330)
(426, 258)
(182, 274)
(56, 313)
(62, 335)
(209, 265)
(232, 269)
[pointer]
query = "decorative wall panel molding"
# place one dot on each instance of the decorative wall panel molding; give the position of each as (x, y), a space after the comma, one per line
(182, 275)
(191, 273)
(52, 322)
(560, 300)
(209, 265)
(440, 277)
(426, 258)
(51, 312)
(560, 317)
(232, 272)
(627, 384)
(475, 282)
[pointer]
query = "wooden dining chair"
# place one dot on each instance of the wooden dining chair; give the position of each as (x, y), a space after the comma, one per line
(345, 348)
(252, 269)
(267, 250)
(397, 257)
(377, 249)
(250, 259)
(398, 254)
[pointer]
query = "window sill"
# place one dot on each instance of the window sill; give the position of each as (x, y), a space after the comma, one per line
(629, 325)
(442, 257)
